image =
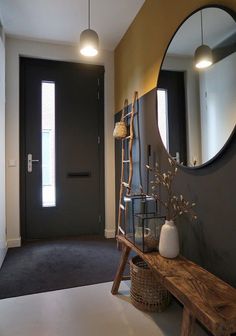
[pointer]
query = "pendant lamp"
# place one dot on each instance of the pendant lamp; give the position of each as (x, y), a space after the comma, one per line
(203, 57)
(89, 40)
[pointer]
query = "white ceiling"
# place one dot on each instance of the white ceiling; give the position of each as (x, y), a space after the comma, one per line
(217, 25)
(63, 20)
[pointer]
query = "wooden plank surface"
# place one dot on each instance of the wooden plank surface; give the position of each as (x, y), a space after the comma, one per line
(210, 300)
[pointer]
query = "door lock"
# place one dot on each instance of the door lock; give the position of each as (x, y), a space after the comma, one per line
(30, 163)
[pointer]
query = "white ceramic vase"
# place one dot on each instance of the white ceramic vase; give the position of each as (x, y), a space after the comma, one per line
(169, 240)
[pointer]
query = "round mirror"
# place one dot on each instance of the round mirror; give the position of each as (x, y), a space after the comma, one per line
(196, 89)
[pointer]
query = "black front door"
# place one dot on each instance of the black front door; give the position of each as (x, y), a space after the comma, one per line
(61, 110)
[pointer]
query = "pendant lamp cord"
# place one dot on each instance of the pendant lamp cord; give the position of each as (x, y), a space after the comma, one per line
(89, 14)
(201, 28)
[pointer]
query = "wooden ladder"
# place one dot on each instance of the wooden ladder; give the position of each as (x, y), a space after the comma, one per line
(126, 185)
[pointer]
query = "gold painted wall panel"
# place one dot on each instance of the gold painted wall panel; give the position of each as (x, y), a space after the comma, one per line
(139, 54)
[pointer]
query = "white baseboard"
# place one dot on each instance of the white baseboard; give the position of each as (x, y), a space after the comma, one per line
(110, 233)
(14, 242)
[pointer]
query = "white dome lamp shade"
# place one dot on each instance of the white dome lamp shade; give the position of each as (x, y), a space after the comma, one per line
(203, 57)
(89, 41)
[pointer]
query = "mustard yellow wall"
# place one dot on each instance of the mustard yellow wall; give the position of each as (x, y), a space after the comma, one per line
(139, 54)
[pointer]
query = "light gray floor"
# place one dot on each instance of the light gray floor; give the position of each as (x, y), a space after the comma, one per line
(85, 311)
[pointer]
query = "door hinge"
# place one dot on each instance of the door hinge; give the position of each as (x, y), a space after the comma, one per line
(99, 140)
(99, 219)
(98, 81)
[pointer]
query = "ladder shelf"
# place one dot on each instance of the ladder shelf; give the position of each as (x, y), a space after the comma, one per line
(126, 186)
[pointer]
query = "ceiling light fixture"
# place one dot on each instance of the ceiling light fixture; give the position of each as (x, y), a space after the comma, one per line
(89, 40)
(203, 55)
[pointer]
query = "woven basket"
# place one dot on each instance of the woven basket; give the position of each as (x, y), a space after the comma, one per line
(146, 292)
(120, 130)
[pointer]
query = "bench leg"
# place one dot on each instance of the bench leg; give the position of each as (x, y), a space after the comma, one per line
(121, 268)
(188, 323)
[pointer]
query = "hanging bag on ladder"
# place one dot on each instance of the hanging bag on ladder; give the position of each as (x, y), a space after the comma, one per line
(120, 130)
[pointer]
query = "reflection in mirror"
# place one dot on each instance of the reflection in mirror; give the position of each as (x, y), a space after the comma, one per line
(197, 107)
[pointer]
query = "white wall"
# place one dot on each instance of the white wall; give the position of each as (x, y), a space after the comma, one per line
(2, 152)
(18, 47)
(178, 63)
(218, 105)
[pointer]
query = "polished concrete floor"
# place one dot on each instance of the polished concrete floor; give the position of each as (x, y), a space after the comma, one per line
(85, 311)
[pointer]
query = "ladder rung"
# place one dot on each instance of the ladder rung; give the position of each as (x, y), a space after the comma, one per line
(126, 185)
(121, 230)
(127, 138)
(127, 199)
(126, 161)
(122, 207)
(129, 114)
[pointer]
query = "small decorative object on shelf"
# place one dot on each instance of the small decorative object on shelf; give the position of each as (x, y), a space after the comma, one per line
(143, 222)
(175, 206)
(169, 240)
(147, 231)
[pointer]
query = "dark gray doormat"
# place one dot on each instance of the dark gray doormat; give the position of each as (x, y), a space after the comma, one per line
(51, 265)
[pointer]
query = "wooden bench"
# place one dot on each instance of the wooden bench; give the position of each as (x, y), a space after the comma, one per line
(204, 296)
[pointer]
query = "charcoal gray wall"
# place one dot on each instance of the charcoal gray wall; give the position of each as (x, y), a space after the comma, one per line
(211, 240)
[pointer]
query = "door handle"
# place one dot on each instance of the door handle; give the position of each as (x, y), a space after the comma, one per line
(30, 162)
(177, 157)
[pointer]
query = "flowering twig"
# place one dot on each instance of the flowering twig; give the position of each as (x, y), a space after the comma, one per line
(175, 205)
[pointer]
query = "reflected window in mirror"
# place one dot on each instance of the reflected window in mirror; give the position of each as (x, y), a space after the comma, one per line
(162, 97)
(201, 103)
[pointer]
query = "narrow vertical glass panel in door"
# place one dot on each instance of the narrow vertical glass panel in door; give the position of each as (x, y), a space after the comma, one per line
(163, 116)
(48, 145)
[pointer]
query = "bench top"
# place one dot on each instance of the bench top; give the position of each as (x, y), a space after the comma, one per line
(210, 300)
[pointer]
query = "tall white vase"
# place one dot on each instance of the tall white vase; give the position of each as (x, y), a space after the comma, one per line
(169, 240)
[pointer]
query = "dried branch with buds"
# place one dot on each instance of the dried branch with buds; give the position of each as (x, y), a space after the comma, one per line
(175, 205)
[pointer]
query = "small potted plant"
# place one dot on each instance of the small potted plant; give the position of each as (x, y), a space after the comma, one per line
(175, 205)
